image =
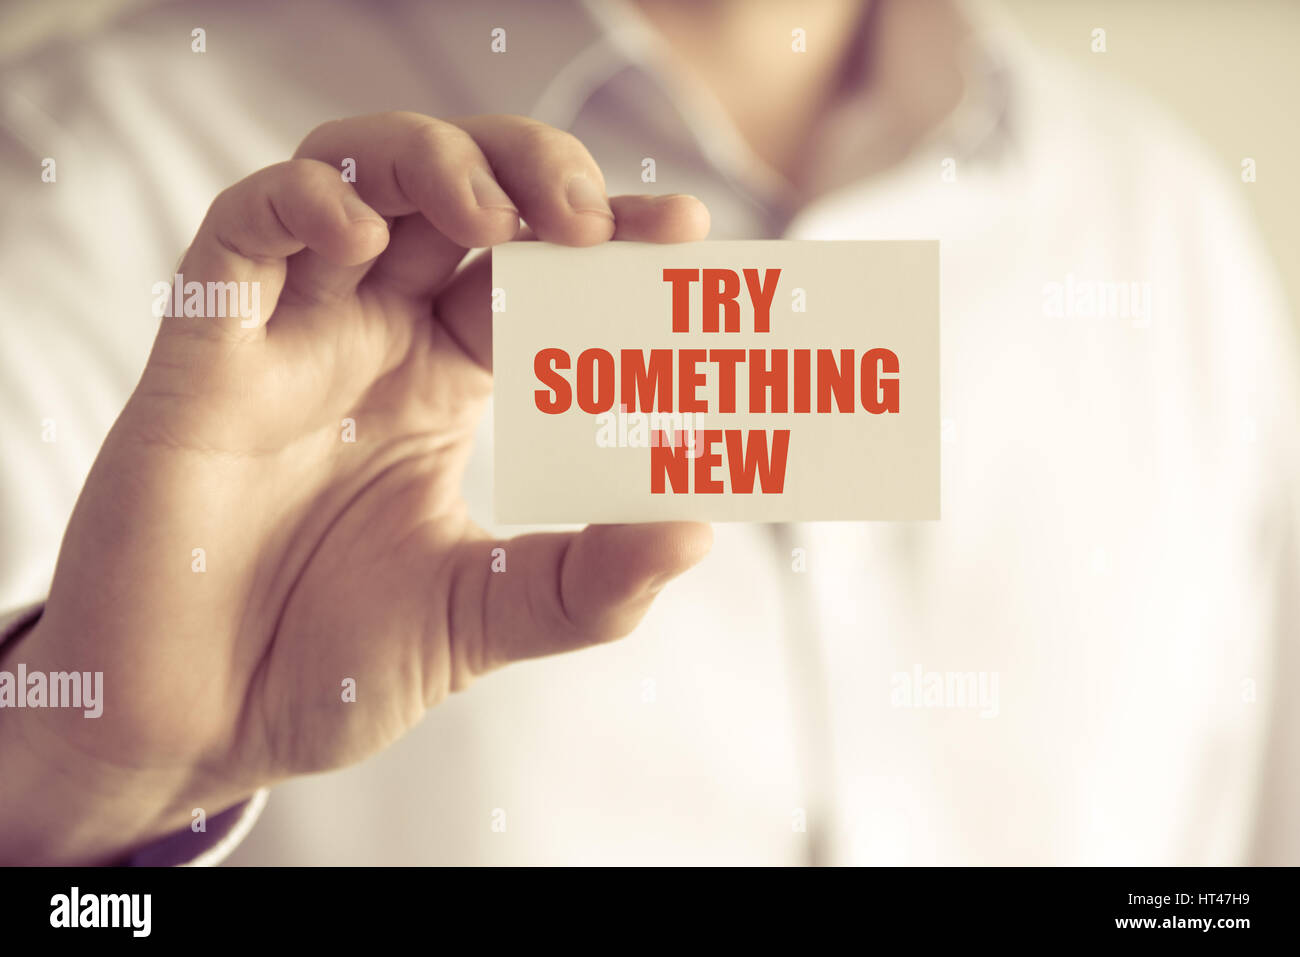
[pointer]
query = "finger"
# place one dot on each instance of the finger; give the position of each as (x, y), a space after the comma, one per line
(552, 593)
(312, 279)
(406, 162)
(419, 259)
(675, 218)
(549, 174)
(464, 307)
(253, 226)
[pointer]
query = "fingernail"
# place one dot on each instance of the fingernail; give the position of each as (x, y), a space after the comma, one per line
(585, 196)
(357, 211)
(488, 192)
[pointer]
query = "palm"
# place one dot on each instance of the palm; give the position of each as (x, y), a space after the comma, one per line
(306, 487)
(357, 636)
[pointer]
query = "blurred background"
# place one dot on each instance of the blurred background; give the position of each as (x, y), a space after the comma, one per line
(1217, 67)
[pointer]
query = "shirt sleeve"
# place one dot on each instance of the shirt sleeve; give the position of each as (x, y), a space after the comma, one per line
(186, 847)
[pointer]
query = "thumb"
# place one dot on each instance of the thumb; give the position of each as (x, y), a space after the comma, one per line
(548, 593)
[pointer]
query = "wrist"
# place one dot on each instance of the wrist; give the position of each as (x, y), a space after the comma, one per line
(60, 802)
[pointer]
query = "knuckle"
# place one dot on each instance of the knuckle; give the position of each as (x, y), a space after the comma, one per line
(441, 140)
(224, 203)
(546, 142)
(231, 214)
(320, 134)
(300, 173)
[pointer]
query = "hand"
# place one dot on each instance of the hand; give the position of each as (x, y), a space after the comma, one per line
(324, 559)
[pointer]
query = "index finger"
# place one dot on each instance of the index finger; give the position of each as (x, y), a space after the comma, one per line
(406, 163)
(468, 177)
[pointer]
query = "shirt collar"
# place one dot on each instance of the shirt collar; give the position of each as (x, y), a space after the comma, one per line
(613, 37)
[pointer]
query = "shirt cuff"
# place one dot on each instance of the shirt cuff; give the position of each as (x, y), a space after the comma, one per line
(20, 619)
(185, 848)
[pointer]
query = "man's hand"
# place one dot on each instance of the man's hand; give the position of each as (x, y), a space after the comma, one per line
(325, 560)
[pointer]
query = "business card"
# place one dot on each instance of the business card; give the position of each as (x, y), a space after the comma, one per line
(746, 381)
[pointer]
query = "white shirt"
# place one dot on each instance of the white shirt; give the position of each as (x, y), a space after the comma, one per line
(1117, 558)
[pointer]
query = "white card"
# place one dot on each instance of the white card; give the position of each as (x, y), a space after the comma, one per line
(756, 381)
